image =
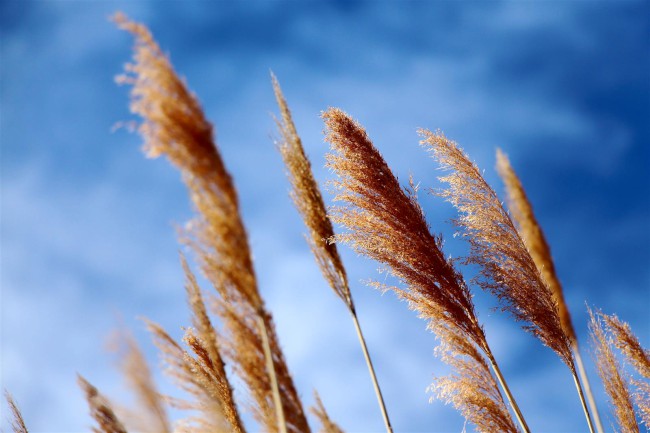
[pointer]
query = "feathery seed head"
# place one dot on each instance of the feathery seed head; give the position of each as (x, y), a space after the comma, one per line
(622, 337)
(174, 125)
(18, 423)
(613, 377)
(100, 410)
(386, 223)
(625, 341)
(309, 201)
(471, 388)
(531, 233)
(507, 269)
(327, 425)
(151, 414)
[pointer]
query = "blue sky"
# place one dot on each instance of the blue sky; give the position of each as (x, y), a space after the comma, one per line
(88, 236)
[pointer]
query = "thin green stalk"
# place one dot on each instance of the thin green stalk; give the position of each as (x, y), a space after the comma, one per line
(371, 369)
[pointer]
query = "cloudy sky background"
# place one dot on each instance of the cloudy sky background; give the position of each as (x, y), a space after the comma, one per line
(88, 236)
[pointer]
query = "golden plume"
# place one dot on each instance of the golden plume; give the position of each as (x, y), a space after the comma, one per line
(174, 125)
(327, 425)
(531, 233)
(18, 423)
(150, 413)
(100, 409)
(201, 373)
(612, 375)
(386, 223)
(309, 202)
(533, 237)
(624, 340)
(506, 267)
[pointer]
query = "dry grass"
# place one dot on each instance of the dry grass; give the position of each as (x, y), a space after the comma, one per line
(327, 425)
(507, 269)
(386, 223)
(201, 370)
(233, 334)
(309, 202)
(612, 375)
(17, 423)
(625, 341)
(149, 413)
(174, 125)
(100, 410)
(533, 237)
(622, 337)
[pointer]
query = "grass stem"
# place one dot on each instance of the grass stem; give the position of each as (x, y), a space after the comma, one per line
(511, 399)
(277, 401)
(584, 403)
(585, 381)
(371, 370)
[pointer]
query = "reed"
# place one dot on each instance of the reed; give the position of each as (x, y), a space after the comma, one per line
(17, 423)
(101, 409)
(623, 339)
(612, 375)
(309, 202)
(200, 369)
(173, 124)
(232, 339)
(150, 411)
(507, 269)
(328, 426)
(533, 237)
(386, 223)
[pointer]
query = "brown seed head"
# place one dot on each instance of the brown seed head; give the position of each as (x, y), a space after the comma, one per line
(18, 423)
(471, 388)
(613, 377)
(201, 370)
(309, 201)
(151, 414)
(533, 236)
(624, 340)
(245, 349)
(174, 125)
(327, 425)
(100, 410)
(507, 269)
(385, 222)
